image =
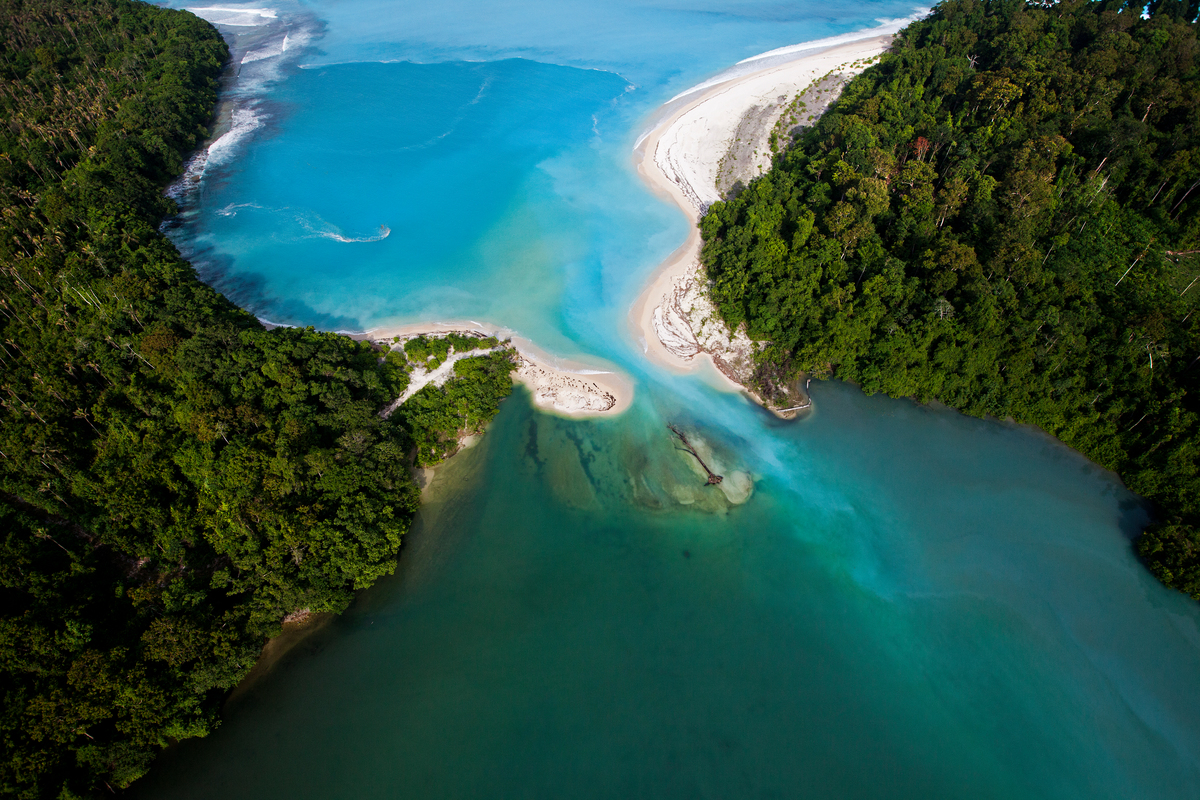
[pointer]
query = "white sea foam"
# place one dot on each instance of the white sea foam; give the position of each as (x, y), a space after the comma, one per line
(454, 123)
(321, 228)
(235, 16)
(246, 120)
(268, 51)
(483, 87)
(232, 209)
(276, 48)
(192, 172)
(384, 232)
(296, 39)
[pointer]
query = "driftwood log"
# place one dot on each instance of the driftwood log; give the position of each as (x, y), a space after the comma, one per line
(712, 476)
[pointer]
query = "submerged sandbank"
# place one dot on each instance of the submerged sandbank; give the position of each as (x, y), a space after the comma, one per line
(559, 386)
(699, 151)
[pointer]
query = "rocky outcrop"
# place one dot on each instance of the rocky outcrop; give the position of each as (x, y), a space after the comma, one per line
(562, 391)
(687, 324)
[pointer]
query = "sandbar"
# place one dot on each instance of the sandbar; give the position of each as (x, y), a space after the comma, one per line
(684, 157)
(559, 386)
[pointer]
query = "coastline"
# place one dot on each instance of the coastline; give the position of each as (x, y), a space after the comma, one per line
(297, 627)
(577, 389)
(559, 386)
(671, 318)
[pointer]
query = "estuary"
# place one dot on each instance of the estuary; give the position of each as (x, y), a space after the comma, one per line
(896, 601)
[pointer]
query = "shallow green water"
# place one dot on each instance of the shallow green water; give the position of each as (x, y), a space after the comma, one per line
(882, 627)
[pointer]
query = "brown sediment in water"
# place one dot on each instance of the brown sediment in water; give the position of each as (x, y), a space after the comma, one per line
(297, 627)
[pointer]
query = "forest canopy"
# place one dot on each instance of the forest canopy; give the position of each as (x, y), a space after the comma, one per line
(174, 478)
(1002, 215)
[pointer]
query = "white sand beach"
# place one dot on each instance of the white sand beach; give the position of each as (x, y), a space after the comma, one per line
(559, 386)
(697, 153)
(719, 135)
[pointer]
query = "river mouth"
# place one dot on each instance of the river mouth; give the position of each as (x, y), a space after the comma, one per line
(555, 622)
(905, 603)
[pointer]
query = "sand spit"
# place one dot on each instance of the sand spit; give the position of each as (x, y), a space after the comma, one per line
(705, 149)
(559, 386)
(562, 392)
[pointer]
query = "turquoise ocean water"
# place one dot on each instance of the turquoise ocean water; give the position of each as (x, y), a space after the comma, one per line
(912, 604)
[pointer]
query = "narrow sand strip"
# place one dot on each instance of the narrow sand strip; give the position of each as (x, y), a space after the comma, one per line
(559, 386)
(682, 158)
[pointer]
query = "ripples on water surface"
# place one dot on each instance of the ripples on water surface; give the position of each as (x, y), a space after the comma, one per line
(911, 603)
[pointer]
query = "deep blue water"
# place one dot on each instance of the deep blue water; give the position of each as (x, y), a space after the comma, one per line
(912, 604)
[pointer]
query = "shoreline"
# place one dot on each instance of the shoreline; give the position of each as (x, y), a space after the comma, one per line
(565, 387)
(691, 143)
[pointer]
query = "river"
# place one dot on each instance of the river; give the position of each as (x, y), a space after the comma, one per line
(911, 603)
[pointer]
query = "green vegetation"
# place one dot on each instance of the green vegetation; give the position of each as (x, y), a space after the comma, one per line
(174, 479)
(427, 352)
(431, 352)
(462, 343)
(434, 416)
(1001, 214)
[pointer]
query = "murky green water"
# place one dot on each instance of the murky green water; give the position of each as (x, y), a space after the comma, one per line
(887, 625)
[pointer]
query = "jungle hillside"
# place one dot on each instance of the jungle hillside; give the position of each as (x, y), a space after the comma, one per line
(1002, 215)
(174, 478)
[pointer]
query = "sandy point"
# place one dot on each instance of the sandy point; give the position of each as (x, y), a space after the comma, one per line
(680, 158)
(567, 387)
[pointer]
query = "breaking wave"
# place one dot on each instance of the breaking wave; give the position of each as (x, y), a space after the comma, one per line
(235, 16)
(232, 209)
(259, 38)
(384, 232)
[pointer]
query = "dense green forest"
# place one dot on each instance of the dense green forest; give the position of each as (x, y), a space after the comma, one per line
(1001, 215)
(174, 479)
